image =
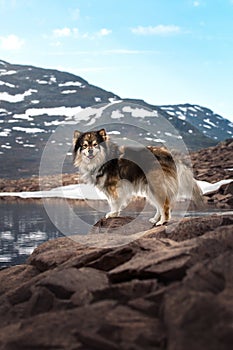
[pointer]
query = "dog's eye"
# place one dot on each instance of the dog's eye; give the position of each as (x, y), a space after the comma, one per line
(84, 146)
(95, 144)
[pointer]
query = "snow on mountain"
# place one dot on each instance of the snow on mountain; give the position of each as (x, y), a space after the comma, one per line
(35, 101)
(205, 120)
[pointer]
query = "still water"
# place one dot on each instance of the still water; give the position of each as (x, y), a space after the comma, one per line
(25, 225)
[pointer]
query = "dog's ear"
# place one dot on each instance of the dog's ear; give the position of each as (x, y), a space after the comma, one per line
(102, 133)
(76, 136)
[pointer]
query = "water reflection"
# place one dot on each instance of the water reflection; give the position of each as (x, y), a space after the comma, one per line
(25, 224)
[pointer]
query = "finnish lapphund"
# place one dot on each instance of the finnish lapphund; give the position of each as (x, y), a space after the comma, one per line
(123, 172)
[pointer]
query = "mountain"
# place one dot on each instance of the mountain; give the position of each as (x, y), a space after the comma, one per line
(35, 101)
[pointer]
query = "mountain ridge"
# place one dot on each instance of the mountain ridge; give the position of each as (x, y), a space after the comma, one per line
(34, 101)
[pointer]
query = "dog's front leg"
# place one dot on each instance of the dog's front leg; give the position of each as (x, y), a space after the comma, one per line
(118, 197)
(115, 208)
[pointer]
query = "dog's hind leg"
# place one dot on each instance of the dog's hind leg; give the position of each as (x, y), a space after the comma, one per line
(160, 201)
(162, 215)
(165, 214)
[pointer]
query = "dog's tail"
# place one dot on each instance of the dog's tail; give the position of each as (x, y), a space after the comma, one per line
(188, 186)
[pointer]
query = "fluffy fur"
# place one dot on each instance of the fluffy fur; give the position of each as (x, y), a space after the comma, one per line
(122, 173)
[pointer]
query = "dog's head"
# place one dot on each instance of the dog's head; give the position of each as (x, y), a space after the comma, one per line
(88, 146)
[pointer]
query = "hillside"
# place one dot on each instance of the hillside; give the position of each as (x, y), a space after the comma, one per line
(35, 101)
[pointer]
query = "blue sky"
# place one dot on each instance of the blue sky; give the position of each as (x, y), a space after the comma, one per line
(162, 51)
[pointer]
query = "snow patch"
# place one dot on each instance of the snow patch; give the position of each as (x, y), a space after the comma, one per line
(207, 187)
(22, 116)
(4, 133)
(139, 112)
(4, 96)
(208, 121)
(9, 72)
(69, 91)
(83, 191)
(70, 83)
(28, 130)
(80, 191)
(7, 84)
(117, 114)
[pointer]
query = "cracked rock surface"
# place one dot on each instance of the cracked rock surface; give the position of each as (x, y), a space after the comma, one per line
(169, 289)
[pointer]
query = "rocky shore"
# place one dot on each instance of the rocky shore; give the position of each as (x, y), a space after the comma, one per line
(167, 288)
(170, 289)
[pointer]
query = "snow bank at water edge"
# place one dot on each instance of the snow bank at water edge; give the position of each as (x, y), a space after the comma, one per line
(82, 191)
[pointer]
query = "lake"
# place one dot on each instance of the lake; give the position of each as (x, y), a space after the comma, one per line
(25, 224)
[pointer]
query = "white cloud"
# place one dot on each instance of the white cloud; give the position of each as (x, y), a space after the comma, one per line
(64, 32)
(11, 42)
(74, 33)
(157, 30)
(104, 32)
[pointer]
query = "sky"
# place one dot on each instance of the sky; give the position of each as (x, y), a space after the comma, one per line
(161, 51)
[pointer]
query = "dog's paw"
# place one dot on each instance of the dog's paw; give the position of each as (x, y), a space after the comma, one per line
(157, 221)
(112, 214)
(154, 220)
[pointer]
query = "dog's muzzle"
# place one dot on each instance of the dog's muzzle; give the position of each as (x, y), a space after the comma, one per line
(90, 153)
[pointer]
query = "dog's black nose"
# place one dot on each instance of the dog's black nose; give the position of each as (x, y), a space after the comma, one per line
(90, 151)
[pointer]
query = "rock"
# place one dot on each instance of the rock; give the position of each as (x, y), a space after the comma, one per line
(53, 253)
(199, 311)
(169, 289)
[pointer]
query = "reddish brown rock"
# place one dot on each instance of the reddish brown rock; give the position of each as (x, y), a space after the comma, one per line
(170, 289)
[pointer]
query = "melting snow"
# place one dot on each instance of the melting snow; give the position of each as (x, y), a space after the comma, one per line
(181, 116)
(4, 133)
(69, 91)
(97, 99)
(9, 72)
(54, 122)
(184, 109)
(207, 187)
(22, 116)
(117, 114)
(29, 145)
(71, 83)
(199, 108)
(63, 111)
(4, 96)
(114, 133)
(193, 109)
(28, 130)
(139, 112)
(6, 146)
(209, 122)
(42, 82)
(83, 191)
(7, 84)
(171, 113)
(79, 191)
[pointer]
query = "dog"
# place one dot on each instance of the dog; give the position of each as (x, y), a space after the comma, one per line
(123, 172)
